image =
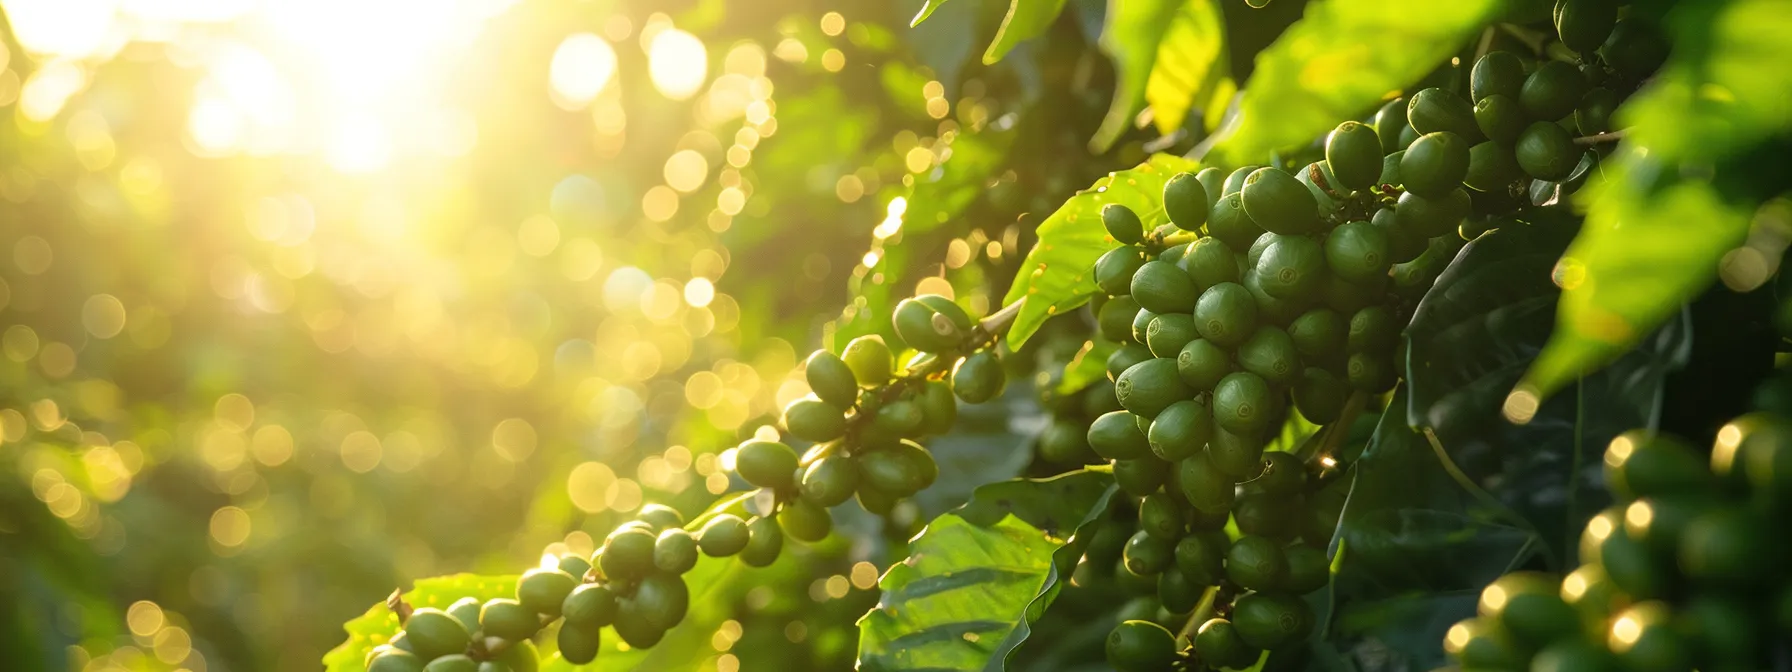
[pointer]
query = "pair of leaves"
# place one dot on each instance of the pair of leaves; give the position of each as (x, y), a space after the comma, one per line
(1025, 20)
(1170, 53)
(1058, 274)
(1339, 61)
(1673, 200)
(1483, 322)
(977, 578)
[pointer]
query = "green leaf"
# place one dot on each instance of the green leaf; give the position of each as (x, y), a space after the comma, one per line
(977, 578)
(1026, 19)
(1191, 62)
(1058, 272)
(926, 11)
(1089, 365)
(1675, 197)
(1482, 323)
(379, 623)
(1338, 62)
(1130, 37)
(1410, 542)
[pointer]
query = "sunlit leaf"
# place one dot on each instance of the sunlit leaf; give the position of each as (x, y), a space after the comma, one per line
(1058, 272)
(926, 11)
(1026, 19)
(379, 623)
(1671, 204)
(1191, 62)
(1089, 366)
(976, 578)
(1130, 38)
(1338, 62)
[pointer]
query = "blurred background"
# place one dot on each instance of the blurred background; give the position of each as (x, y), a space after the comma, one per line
(303, 300)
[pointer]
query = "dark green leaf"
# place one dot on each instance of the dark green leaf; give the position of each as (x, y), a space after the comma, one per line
(1338, 62)
(1472, 336)
(379, 623)
(1669, 208)
(1130, 38)
(1191, 63)
(1026, 19)
(1058, 272)
(976, 578)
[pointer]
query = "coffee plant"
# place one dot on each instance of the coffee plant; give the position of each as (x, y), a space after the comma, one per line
(1380, 335)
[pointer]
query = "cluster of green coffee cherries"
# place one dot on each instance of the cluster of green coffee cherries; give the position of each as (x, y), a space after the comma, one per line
(1686, 571)
(863, 417)
(1519, 126)
(1231, 595)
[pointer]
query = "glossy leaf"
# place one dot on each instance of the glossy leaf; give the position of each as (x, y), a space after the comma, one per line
(926, 11)
(1191, 62)
(379, 623)
(1472, 336)
(1025, 20)
(1130, 38)
(1089, 365)
(1339, 62)
(976, 578)
(1412, 542)
(1058, 274)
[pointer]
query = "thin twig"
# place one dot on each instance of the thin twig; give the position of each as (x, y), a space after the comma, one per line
(1597, 138)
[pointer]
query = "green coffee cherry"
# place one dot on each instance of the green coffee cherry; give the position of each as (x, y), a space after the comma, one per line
(590, 605)
(1390, 167)
(1403, 245)
(466, 610)
(458, 662)
(1369, 372)
(948, 309)
(1201, 364)
(1320, 396)
(432, 633)
(812, 419)
(939, 410)
(1229, 223)
(1432, 217)
(1318, 334)
(1635, 48)
(675, 552)
(1435, 164)
(542, 590)
(979, 377)
(1177, 593)
(1180, 430)
(724, 535)
(1547, 152)
(764, 541)
(1650, 640)
(1529, 608)
(1213, 182)
(1201, 557)
(768, 464)
(1160, 516)
(804, 520)
(1433, 110)
(1357, 251)
(394, 660)
(1594, 113)
(1480, 644)
(1147, 554)
(1283, 474)
(1210, 262)
(1148, 387)
(1390, 121)
(925, 328)
(1308, 569)
(1491, 167)
(660, 517)
(1265, 515)
(1218, 641)
(1116, 436)
(1169, 332)
(579, 645)
(830, 379)
(1292, 268)
(627, 553)
(1552, 91)
(1141, 326)
(1239, 456)
(1140, 646)
(829, 481)
(1115, 268)
(1122, 223)
(1496, 73)
(1204, 485)
(1226, 314)
(1638, 465)
(507, 619)
(1243, 403)
(1256, 563)
(1236, 179)
(1354, 152)
(870, 360)
(1186, 201)
(574, 565)
(1372, 330)
(1255, 253)
(1501, 118)
(1141, 476)
(1270, 354)
(1729, 547)
(1162, 287)
(1114, 320)
(1583, 25)
(1574, 655)
(1279, 203)
(1272, 620)
(637, 632)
